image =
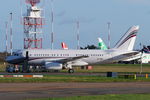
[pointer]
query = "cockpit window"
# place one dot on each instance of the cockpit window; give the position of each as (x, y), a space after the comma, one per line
(16, 54)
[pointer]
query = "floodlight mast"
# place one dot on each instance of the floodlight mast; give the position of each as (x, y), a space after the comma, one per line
(109, 34)
(11, 35)
(6, 37)
(52, 25)
(78, 34)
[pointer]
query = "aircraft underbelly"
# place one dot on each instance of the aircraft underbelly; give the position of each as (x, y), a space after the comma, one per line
(38, 62)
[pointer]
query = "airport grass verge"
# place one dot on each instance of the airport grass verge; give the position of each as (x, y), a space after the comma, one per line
(103, 97)
(70, 78)
(116, 68)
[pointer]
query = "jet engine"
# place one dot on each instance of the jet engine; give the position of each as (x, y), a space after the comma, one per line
(53, 66)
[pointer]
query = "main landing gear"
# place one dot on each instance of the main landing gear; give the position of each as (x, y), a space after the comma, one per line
(71, 71)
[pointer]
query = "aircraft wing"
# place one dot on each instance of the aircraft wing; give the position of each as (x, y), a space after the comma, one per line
(121, 57)
(131, 54)
(133, 57)
(70, 59)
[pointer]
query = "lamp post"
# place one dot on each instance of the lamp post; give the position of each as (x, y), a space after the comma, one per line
(141, 65)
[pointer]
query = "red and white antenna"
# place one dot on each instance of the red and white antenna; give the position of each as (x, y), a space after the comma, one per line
(33, 2)
(33, 22)
(78, 32)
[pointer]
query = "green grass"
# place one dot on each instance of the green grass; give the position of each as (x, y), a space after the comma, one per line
(127, 68)
(117, 68)
(103, 97)
(70, 78)
(2, 66)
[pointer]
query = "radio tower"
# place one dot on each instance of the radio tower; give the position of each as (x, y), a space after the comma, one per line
(33, 22)
(52, 25)
(78, 32)
(109, 34)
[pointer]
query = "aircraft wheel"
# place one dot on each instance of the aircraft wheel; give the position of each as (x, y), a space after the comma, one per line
(71, 71)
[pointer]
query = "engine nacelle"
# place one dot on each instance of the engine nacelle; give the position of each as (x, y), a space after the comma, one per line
(53, 66)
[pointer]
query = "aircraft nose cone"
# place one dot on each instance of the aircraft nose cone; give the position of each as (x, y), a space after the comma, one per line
(14, 59)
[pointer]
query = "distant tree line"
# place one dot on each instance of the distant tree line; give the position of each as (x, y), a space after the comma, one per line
(95, 47)
(89, 47)
(3, 56)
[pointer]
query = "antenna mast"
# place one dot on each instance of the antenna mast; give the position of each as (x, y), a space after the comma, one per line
(11, 35)
(78, 32)
(6, 36)
(52, 25)
(109, 34)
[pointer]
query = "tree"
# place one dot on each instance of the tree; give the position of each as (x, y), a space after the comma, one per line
(89, 47)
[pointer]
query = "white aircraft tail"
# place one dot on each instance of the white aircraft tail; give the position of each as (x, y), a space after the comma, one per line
(128, 40)
(64, 46)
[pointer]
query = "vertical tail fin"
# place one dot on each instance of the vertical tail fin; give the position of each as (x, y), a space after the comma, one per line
(128, 39)
(64, 46)
(101, 44)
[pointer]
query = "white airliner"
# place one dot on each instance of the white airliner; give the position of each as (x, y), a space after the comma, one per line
(59, 59)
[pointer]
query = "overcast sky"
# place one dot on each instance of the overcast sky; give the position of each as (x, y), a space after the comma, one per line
(93, 16)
